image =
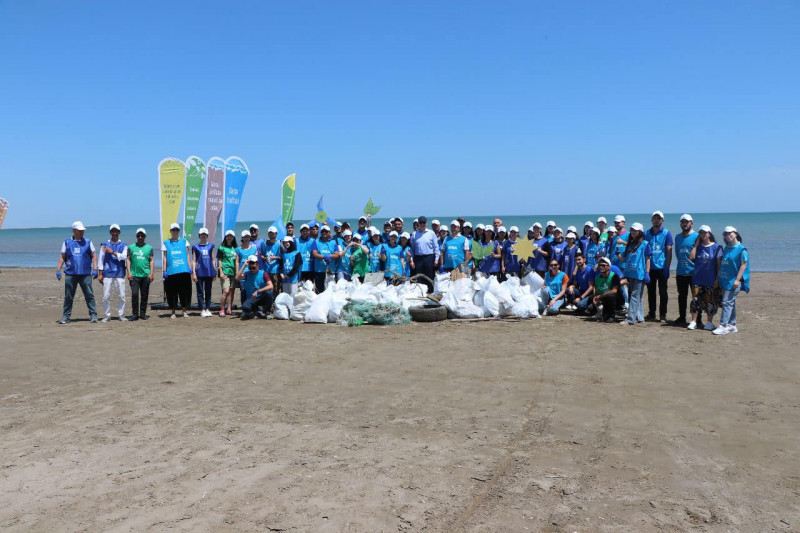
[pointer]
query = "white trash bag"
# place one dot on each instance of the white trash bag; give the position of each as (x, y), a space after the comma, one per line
(302, 301)
(283, 305)
(459, 300)
(317, 312)
(442, 283)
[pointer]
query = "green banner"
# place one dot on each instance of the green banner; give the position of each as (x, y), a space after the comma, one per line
(287, 201)
(195, 179)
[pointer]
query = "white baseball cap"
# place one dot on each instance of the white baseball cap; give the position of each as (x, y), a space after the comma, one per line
(551, 223)
(658, 213)
(571, 235)
(325, 228)
(619, 218)
(536, 225)
(393, 233)
(605, 260)
(611, 229)
(589, 223)
(373, 230)
(455, 223)
(230, 232)
(602, 219)
(436, 222)
(245, 233)
(405, 234)
(637, 226)
(272, 229)
(729, 229)
(174, 225)
(572, 229)
(467, 224)
(705, 228)
(114, 226)
(78, 225)
(416, 221)
(558, 230)
(480, 226)
(687, 216)
(304, 226)
(252, 259)
(514, 228)
(203, 231)
(501, 228)
(596, 230)
(288, 238)
(346, 232)
(357, 236)
(141, 230)
(253, 226)
(400, 219)
(362, 218)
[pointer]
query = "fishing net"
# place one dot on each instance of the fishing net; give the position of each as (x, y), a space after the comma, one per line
(358, 312)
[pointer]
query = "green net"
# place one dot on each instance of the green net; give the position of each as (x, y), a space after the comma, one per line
(358, 312)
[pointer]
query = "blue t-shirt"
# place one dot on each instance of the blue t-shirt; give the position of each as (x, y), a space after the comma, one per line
(705, 265)
(394, 259)
(732, 259)
(324, 247)
(583, 277)
(375, 251)
(658, 245)
(177, 258)
(267, 249)
(554, 283)
(304, 247)
(204, 260)
(683, 247)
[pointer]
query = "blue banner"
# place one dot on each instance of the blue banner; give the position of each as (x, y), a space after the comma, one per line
(236, 173)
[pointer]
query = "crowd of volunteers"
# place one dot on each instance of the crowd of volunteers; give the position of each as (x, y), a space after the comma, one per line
(601, 270)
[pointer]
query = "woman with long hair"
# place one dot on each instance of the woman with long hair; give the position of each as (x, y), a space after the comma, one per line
(734, 276)
(227, 266)
(706, 294)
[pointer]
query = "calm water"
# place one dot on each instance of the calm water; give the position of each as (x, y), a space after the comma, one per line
(771, 238)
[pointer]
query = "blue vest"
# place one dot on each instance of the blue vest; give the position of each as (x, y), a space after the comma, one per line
(304, 247)
(568, 259)
(489, 264)
(732, 259)
(177, 258)
(253, 282)
(636, 261)
(554, 283)
(557, 252)
(374, 256)
(539, 261)
(288, 265)
(204, 260)
(658, 246)
(113, 267)
(594, 251)
(454, 251)
(683, 247)
(705, 265)
(273, 249)
(617, 246)
(324, 247)
(512, 261)
(79, 257)
(394, 255)
(244, 253)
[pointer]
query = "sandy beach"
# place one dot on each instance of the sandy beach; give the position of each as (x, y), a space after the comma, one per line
(555, 424)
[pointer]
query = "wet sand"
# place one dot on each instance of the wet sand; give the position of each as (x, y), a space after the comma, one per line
(555, 424)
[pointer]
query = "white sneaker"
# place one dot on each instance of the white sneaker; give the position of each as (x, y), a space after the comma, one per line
(625, 308)
(185, 314)
(105, 319)
(692, 325)
(721, 330)
(123, 319)
(733, 329)
(709, 326)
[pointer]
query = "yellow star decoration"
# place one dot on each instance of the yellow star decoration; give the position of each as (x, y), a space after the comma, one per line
(524, 249)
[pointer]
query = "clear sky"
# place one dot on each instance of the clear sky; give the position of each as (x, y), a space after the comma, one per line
(472, 107)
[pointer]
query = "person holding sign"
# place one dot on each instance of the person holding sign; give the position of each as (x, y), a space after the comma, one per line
(79, 259)
(178, 267)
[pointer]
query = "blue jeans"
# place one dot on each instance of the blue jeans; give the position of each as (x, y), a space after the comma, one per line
(552, 305)
(71, 283)
(729, 307)
(636, 305)
(203, 286)
(583, 305)
(251, 305)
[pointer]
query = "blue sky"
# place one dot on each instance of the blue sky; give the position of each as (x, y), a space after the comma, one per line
(470, 107)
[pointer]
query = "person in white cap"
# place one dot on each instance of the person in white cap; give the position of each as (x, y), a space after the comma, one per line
(325, 251)
(607, 291)
(393, 256)
(539, 260)
(466, 230)
(595, 249)
(425, 250)
(204, 271)
(387, 229)
(661, 242)
(684, 271)
(549, 228)
(357, 258)
(734, 276)
(362, 229)
(112, 267)
(178, 269)
(227, 267)
(140, 274)
(256, 285)
(79, 259)
(269, 257)
(584, 239)
(637, 272)
(555, 249)
(619, 223)
(246, 249)
(398, 225)
(455, 249)
(256, 241)
(404, 240)
(602, 225)
(568, 261)
(706, 293)
(375, 247)
(291, 265)
(304, 248)
(509, 263)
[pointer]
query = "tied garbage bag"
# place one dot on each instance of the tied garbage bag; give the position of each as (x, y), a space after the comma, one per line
(459, 300)
(338, 301)
(283, 305)
(412, 294)
(534, 281)
(488, 303)
(317, 312)
(526, 307)
(442, 283)
(501, 291)
(302, 301)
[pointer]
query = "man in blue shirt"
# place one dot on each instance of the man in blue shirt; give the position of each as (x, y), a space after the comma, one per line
(660, 241)
(425, 250)
(324, 251)
(684, 243)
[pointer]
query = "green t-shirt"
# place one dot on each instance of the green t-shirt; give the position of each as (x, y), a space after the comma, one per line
(227, 256)
(360, 262)
(140, 259)
(603, 285)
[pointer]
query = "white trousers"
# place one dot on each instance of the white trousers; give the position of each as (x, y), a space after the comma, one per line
(118, 284)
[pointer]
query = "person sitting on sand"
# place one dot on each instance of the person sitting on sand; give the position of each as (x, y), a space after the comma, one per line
(257, 285)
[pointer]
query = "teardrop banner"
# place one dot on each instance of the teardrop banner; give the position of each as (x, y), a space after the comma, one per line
(195, 179)
(171, 182)
(3, 210)
(236, 173)
(215, 195)
(287, 205)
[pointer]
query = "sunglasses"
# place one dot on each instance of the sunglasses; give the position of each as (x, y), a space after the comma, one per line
(554, 265)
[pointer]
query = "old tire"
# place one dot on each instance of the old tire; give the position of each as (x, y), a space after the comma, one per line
(421, 313)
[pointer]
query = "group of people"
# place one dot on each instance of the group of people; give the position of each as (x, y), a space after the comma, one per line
(601, 271)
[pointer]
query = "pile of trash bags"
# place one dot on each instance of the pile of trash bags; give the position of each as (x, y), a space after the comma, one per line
(487, 297)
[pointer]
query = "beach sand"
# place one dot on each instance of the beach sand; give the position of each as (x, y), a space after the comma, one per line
(555, 424)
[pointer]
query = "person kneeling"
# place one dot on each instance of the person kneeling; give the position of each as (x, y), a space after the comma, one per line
(606, 291)
(257, 285)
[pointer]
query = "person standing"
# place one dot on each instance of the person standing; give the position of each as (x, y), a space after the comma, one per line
(257, 242)
(555, 249)
(684, 244)
(176, 260)
(734, 276)
(291, 264)
(393, 257)
(539, 260)
(602, 225)
(79, 259)
(584, 239)
(112, 269)
(303, 245)
(455, 248)
(571, 250)
(140, 274)
(204, 271)
(325, 252)
(357, 255)
(619, 224)
(595, 249)
(269, 255)
(227, 266)
(509, 263)
(637, 272)
(706, 294)
(661, 242)
(425, 249)
(258, 287)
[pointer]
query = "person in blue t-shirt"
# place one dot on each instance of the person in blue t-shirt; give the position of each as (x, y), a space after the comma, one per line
(555, 249)
(269, 258)
(245, 250)
(325, 251)
(257, 242)
(595, 249)
(684, 243)
(615, 246)
(304, 248)
(539, 260)
(734, 276)
(580, 288)
(178, 271)
(706, 294)
(291, 264)
(204, 271)
(586, 237)
(637, 272)
(256, 285)
(660, 240)
(393, 256)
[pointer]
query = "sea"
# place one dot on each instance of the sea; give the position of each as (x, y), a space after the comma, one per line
(771, 238)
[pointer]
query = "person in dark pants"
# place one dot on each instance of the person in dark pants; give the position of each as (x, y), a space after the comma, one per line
(257, 285)
(660, 241)
(606, 291)
(425, 249)
(140, 274)
(79, 259)
(178, 269)
(684, 244)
